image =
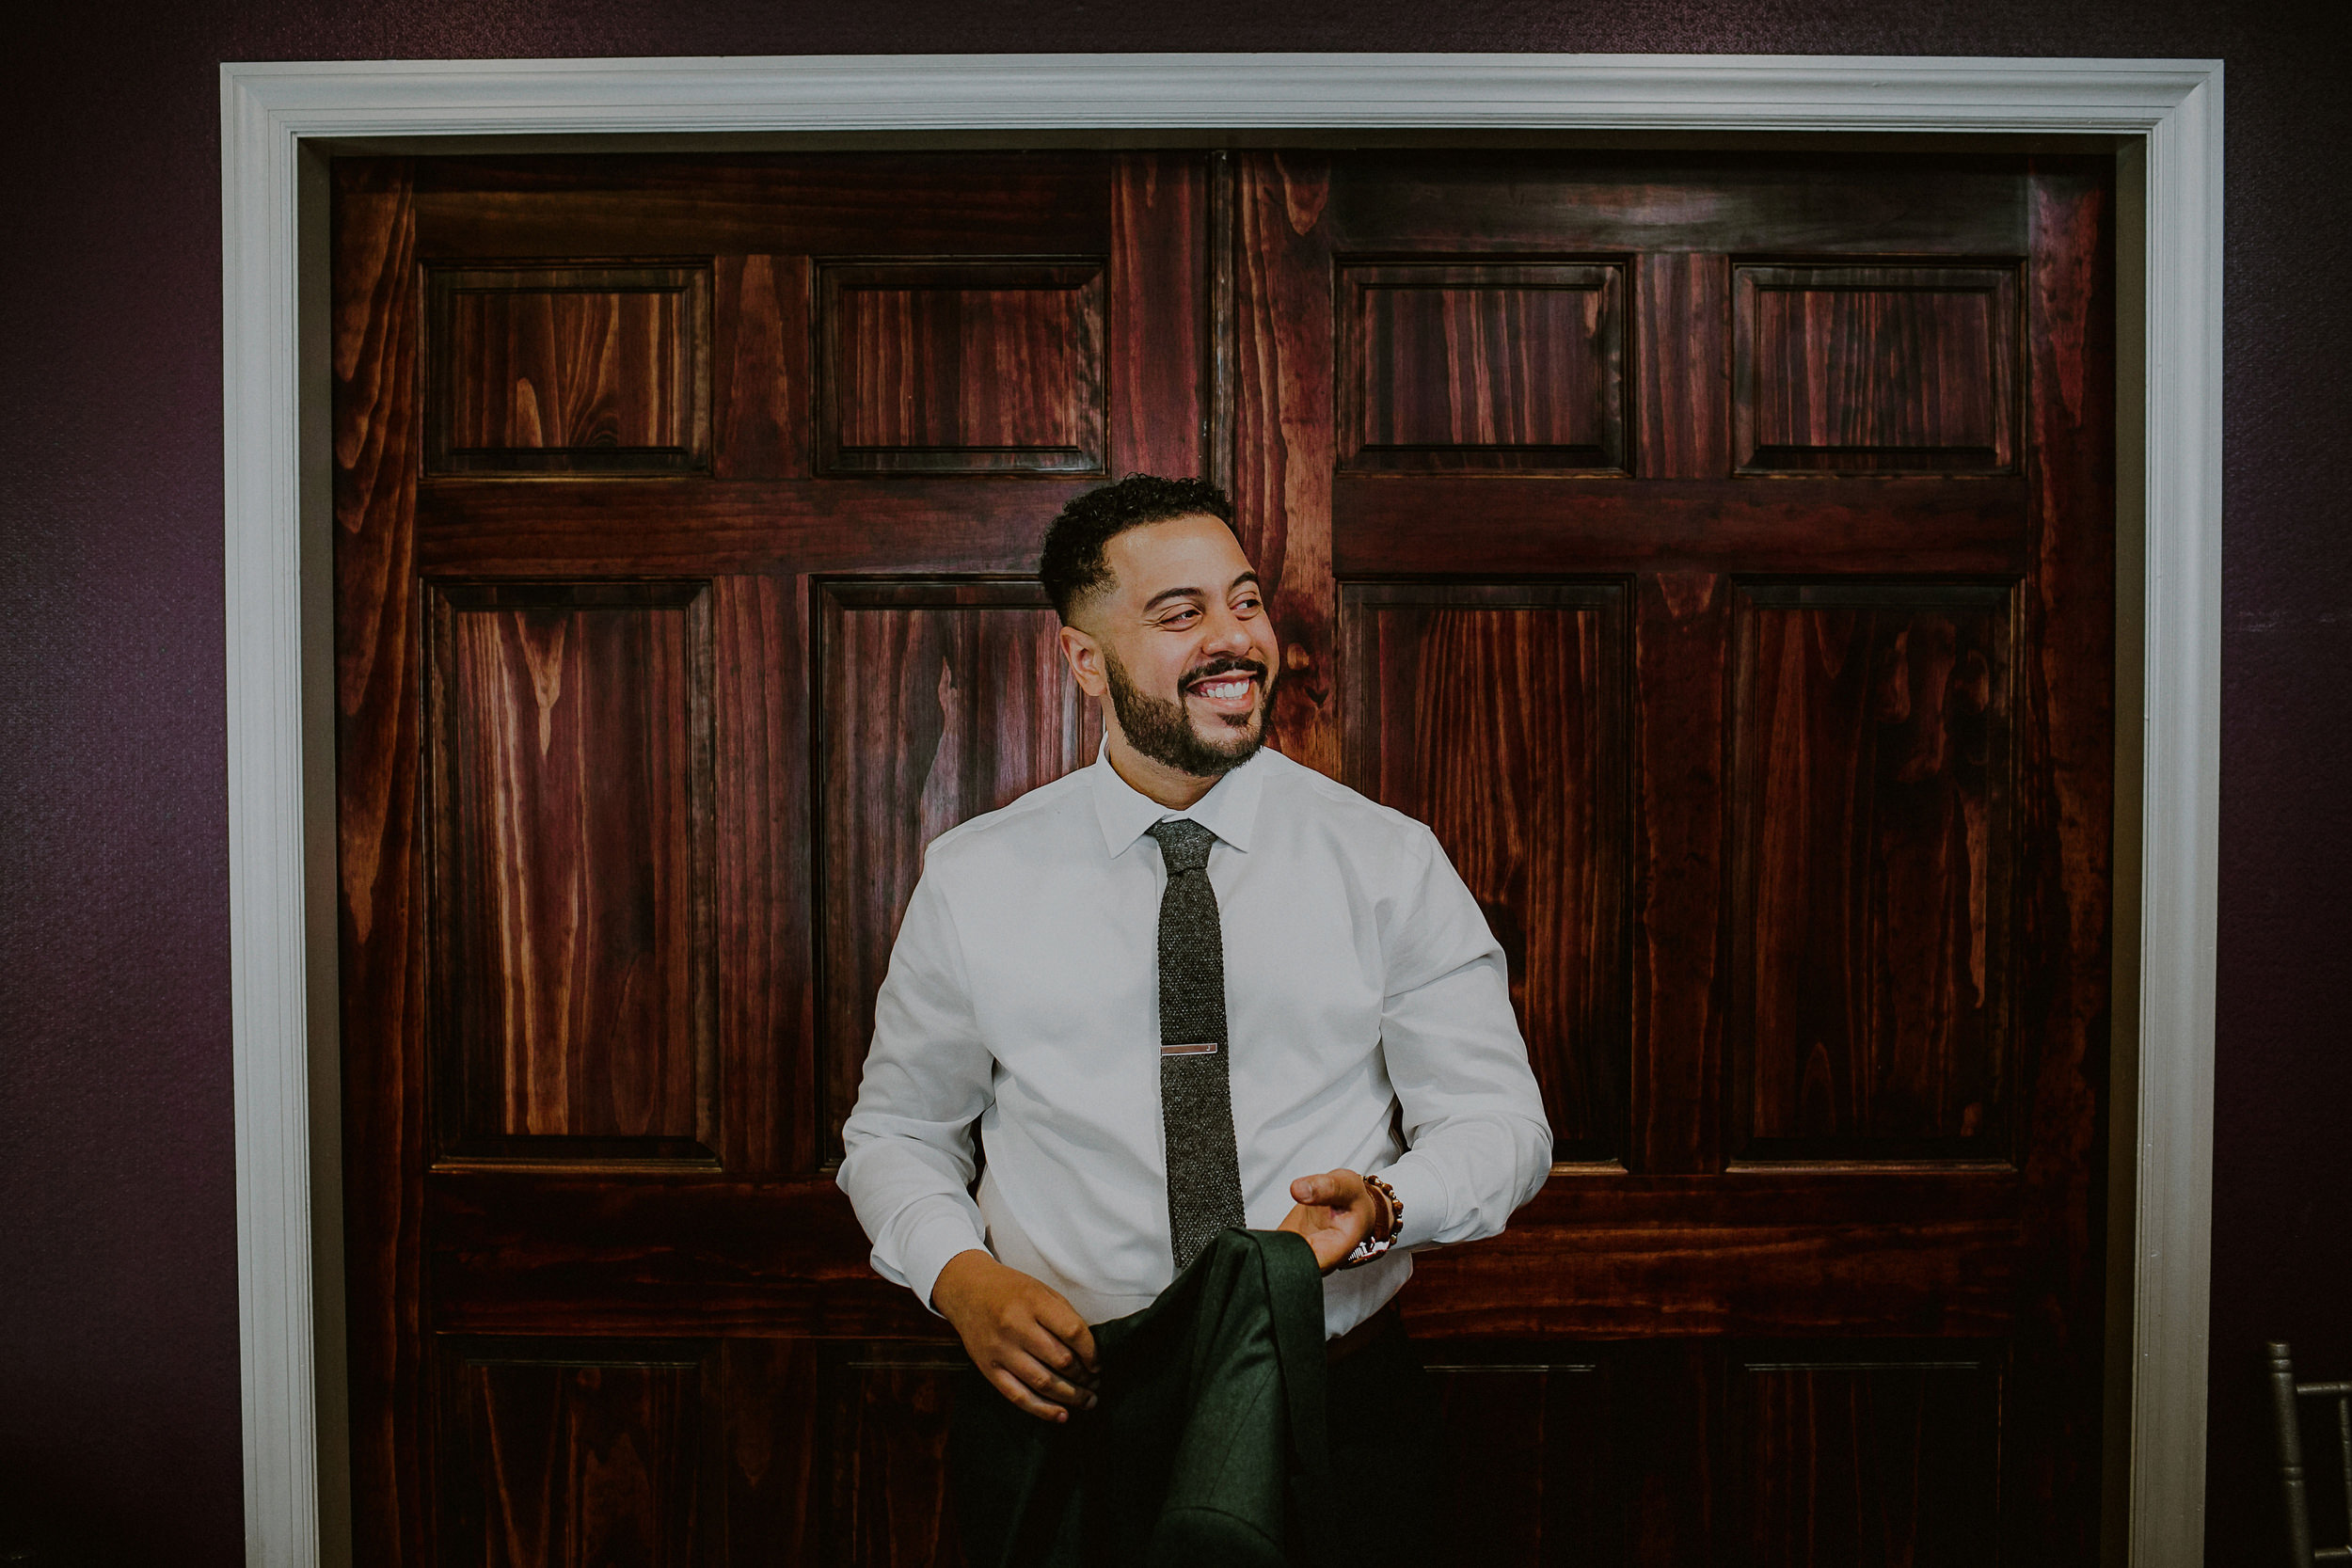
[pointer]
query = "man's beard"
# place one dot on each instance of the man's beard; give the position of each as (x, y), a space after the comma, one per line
(1164, 731)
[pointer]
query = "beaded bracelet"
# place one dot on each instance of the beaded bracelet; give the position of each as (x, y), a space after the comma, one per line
(1384, 1237)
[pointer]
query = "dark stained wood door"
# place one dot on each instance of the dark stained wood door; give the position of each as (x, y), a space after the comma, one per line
(1716, 552)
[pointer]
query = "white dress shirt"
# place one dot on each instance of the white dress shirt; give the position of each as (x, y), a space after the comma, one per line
(1364, 996)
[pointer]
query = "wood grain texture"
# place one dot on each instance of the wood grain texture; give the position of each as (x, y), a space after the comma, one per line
(1666, 1272)
(1496, 716)
(1670, 1435)
(1874, 369)
(1681, 652)
(1283, 435)
(567, 370)
(569, 903)
(1482, 366)
(615, 1252)
(554, 527)
(1447, 201)
(1874, 829)
(772, 1447)
(761, 367)
(1159, 290)
(886, 1409)
(1224, 263)
(2066, 820)
(1397, 525)
(1530, 1469)
(576, 1454)
(378, 702)
(1828, 1253)
(1801, 1253)
(764, 944)
(958, 366)
(1883, 1454)
(1682, 366)
(1012, 204)
(940, 700)
(834, 1451)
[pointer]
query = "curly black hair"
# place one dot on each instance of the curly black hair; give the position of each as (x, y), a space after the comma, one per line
(1074, 569)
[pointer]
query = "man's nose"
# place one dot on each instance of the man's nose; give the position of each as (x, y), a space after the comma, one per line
(1227, 632)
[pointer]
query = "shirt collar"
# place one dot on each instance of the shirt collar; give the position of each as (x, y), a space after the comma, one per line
(1229, 809)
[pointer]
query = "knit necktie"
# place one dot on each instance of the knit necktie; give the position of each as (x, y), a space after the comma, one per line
(1196, 1081)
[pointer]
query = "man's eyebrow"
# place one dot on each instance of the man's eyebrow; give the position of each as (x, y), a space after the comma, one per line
(1167, 594)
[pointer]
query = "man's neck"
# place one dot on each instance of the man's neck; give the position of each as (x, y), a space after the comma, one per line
(1155, 781)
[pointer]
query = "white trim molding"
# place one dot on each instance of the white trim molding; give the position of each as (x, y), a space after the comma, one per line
(2168, 111)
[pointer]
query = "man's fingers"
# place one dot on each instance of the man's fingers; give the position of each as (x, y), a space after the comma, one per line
(1019, 1393)
(1042, 1381)
(1334, 1188)
(1072, 1330)
(1055, 1358)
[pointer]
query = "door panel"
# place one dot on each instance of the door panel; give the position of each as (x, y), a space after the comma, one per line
(1496, 715)
(567, 370)
(961, 367)
(1873, 871)
(1531, 1466)
(568, 745)
(940, 700)
(1717, 551)
(1889, 1454)
(1874, 369)
(1482, 366)
(578, 1452)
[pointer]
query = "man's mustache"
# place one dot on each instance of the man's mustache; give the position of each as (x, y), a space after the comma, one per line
(1225, 667)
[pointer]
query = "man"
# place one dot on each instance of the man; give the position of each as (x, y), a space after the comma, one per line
(1193, 986)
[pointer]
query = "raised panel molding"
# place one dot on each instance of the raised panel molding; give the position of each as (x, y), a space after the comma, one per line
(570, 369)
(884, 1412)
(579, 1451)
(1875, 369)
(1873, 809)
(1483, 364)
(1496, 715)
(1868, 1455)
(569, 870)
(1527, 1442)
(963, 367)
(939, 701)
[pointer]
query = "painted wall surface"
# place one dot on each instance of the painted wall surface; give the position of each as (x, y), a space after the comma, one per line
(119, 1395)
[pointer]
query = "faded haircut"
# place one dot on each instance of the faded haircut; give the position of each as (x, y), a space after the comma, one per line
(1075, 566)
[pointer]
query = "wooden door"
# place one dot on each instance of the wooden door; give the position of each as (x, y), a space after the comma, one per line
(687, 517)
(1716, 552)
(1722, 561)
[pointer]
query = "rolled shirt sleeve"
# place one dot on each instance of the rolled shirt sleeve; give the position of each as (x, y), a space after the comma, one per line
(1479, 1145)
(907, 1162)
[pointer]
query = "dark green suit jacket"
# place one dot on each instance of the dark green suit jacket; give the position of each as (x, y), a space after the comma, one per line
(1207, 1445)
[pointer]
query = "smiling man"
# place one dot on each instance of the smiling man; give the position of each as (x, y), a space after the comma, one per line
(1192, 988)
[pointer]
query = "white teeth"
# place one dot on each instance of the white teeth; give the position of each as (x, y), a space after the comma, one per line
(1222, 691)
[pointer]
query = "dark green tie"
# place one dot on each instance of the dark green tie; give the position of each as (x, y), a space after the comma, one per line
(1196, 1080)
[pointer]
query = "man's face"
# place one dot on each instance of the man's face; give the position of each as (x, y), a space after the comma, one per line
(1187, 654)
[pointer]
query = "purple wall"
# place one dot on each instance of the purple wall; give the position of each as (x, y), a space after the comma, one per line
(118, 1401)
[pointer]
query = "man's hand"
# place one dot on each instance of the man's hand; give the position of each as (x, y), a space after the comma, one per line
(1022, 1335)
(1335, 1211)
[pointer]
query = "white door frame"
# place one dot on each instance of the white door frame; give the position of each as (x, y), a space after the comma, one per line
(2164, 115)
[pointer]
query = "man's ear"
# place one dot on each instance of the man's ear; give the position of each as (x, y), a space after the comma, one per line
(1086, 661)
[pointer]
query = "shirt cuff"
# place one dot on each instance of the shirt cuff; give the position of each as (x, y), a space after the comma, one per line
(937, 1234)
(1422, 1192)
